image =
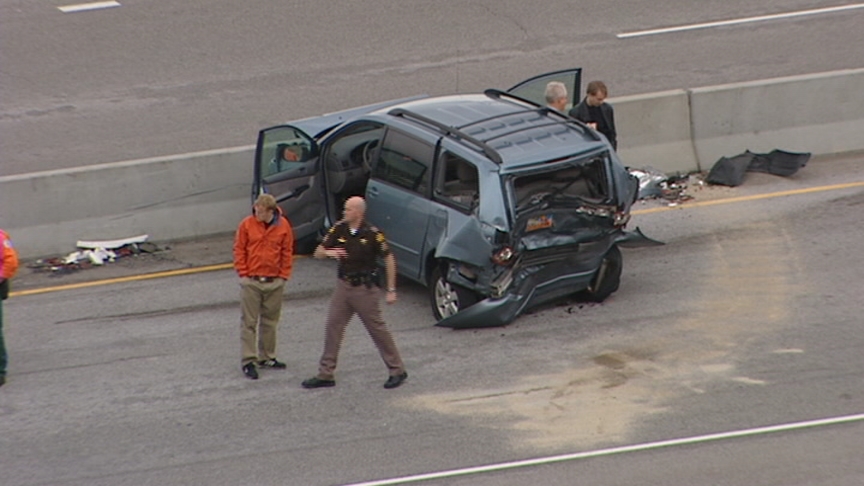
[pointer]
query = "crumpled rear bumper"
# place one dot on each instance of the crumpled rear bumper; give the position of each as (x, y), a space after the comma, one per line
(534, 287)
(486, 313)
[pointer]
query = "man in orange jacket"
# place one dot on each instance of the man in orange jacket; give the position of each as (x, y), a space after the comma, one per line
(8, 267)
(263, 255)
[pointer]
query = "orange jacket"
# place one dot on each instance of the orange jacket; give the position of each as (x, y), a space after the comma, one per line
(264, 250)
(9, 260)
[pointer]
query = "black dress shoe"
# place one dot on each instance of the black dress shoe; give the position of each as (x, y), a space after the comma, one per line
(316, 382)
(396, 380)
(2, 380)
(250, 371)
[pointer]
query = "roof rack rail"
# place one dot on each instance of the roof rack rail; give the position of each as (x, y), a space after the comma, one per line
(449, 131)
(498, 94)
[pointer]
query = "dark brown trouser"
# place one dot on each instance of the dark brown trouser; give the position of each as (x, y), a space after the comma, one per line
(346, 301)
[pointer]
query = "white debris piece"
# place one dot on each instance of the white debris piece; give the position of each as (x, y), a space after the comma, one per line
(111, 244)
(96, 256)
(99, 255)
(73, 257)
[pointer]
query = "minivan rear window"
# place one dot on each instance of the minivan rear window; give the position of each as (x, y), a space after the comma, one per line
(585, 182)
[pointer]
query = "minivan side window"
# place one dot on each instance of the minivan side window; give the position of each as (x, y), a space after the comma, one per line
(457, 182)
(404, 161)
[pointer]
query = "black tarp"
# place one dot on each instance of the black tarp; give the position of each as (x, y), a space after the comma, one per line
(729, 171)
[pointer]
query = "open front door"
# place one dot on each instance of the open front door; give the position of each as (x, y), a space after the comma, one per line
(534, 89)
(286, 166)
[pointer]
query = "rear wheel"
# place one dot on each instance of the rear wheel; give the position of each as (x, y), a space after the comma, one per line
(448, 298)
(608, 277)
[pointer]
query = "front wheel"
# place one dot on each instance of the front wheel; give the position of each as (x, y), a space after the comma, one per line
(447, 298)
(608, 277)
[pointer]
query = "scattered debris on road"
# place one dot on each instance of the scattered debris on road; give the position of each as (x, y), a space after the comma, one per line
(94, 253)
(728, 171)
(674, 190)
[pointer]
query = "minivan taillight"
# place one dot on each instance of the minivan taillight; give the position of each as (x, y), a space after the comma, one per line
(620, 219)
(503, 256)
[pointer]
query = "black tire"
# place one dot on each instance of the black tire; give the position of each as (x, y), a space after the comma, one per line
(447, 298)
(607, 278)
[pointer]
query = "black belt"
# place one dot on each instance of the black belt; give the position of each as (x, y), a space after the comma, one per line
(361, 278)
(263, 279)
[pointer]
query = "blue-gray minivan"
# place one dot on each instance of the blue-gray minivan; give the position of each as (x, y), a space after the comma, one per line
(493, 201)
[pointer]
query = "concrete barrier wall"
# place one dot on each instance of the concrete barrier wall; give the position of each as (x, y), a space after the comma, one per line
(206, 193)
(165, 197)
(654, 130)
(819, 113)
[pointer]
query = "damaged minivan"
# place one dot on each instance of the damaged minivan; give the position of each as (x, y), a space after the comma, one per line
(492, 201)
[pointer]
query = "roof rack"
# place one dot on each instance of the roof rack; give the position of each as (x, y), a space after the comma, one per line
(449, 131)
(498, 94)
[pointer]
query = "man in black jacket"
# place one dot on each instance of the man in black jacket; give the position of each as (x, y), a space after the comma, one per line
(595, 112)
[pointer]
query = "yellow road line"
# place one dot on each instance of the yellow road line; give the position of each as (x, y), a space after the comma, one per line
(132, 278)
(755, 197)
(227, 266)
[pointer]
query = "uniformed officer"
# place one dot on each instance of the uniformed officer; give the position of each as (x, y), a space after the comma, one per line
(357, 246)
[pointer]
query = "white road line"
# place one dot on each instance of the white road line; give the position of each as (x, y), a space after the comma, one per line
(615, 450)
(745, 20)
(81, 7)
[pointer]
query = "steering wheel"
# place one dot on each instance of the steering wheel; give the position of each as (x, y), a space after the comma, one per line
(367, 155)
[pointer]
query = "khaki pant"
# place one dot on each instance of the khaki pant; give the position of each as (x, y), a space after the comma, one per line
(346, 301)
(261, 305)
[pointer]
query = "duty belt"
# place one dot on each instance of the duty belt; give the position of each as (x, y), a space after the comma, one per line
(356, 279)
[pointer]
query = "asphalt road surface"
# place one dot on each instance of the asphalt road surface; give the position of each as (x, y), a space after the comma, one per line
(748, 318)
(153, 78)
(729, 341)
